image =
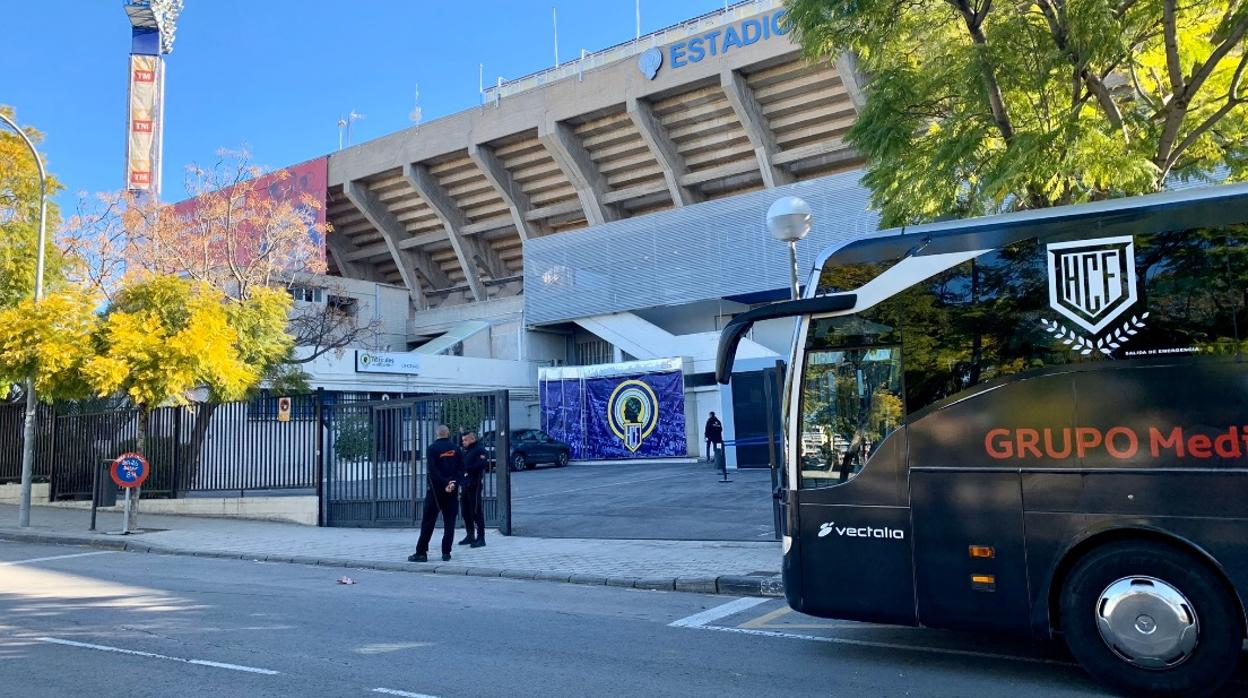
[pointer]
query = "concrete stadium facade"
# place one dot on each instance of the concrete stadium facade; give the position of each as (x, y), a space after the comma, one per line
(608, 210)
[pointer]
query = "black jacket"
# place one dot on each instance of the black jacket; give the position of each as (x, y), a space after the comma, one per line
(714, 430)
(475, 462)
(444, 464)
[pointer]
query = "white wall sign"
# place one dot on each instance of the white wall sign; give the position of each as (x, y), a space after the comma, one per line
(387, 362)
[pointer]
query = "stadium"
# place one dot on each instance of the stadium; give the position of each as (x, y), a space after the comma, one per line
(599, 220)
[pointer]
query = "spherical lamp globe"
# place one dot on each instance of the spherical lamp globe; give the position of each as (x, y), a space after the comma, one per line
(788, 219)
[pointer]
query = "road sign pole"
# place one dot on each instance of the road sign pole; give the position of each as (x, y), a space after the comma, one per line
(95, 493)
(125, 530)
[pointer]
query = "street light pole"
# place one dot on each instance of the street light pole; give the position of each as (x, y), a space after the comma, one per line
(28, 442)
(788, 219)
(793, 270)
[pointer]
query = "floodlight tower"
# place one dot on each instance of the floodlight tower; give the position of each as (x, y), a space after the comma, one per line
(152, 24)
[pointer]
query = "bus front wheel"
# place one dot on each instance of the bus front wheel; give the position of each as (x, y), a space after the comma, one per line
(1147, 619)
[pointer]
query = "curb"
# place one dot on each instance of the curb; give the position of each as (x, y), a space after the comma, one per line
(732, 585)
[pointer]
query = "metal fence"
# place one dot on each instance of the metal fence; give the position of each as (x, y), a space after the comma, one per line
(12, 439)
(226, 448)
(84, 440)
(365, 459)
(246, 447)
(375, 463)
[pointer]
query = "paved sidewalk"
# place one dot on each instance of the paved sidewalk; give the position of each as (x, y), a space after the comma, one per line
(741, 568)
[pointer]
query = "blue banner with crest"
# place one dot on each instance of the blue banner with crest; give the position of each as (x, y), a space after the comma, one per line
(640, 415)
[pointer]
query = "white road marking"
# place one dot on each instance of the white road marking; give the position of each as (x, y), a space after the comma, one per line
(394, 692)
(153, 655)
(883, 645)
(55, 557)
(711, 615)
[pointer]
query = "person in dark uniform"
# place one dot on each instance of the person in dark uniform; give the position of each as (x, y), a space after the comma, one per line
(445, 468)
(714, 432)
(473, 505)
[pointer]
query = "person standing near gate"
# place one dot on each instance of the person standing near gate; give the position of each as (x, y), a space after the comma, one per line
(444, 467)
(714, 432)
(475, 461)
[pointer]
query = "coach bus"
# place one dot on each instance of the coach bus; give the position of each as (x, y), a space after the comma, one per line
(1030, 423)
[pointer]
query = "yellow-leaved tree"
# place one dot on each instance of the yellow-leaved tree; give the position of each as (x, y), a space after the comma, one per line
(51, 341)
(250, 234)
(164, 337)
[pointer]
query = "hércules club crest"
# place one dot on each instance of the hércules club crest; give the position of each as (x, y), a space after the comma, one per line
(632, 413)
(1092, 284)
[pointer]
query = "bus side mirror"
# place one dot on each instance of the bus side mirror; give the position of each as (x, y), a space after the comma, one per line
(731, 336)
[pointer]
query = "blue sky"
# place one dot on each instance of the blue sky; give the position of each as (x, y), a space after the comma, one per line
(276, 75)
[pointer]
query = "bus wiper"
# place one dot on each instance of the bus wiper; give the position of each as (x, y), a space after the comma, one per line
(927, 240)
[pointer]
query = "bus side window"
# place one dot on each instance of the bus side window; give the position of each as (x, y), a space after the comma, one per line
(851, 401)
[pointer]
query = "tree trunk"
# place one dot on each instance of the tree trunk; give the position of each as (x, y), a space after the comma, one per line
(132, 523)
(992, 88)
(195, 448)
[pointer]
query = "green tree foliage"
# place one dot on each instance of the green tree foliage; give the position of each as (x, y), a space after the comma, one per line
(976, 106)
(463, 414)
(19, 218)
(353, 438)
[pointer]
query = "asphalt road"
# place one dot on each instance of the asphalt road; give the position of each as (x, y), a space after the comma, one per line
(75, 621)
(673, 501)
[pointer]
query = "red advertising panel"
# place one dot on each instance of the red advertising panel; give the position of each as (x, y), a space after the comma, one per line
(242, 217)
(290, 185)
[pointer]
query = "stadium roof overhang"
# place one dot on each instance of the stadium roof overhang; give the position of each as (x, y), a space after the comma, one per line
(445, 208)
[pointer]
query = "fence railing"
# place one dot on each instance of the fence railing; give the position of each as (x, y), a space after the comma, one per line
(364, 458)
(12, 439)
(232, 447)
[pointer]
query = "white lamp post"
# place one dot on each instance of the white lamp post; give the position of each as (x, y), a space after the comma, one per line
(28, 443)
(788, 219)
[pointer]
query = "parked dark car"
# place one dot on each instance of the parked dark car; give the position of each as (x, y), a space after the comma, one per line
(531, 447)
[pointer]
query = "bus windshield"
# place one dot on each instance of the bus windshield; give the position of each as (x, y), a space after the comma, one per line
(851, 397)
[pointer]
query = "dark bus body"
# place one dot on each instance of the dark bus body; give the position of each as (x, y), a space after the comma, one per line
(1034, 423)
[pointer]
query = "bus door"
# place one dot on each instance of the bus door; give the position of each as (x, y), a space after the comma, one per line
(970, 546)
(854, 523)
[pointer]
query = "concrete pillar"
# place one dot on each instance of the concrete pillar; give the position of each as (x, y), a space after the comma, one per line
(757, 129)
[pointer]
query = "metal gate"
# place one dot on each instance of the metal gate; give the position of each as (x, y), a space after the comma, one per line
(374, 464)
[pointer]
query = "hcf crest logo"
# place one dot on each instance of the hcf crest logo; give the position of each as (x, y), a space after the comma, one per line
(1092, 283)
(649, 62)
(632, 413)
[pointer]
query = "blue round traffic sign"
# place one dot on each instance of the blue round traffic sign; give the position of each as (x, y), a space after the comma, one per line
(129, 470)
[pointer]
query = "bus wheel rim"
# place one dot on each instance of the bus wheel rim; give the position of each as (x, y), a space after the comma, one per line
(1147, 622)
